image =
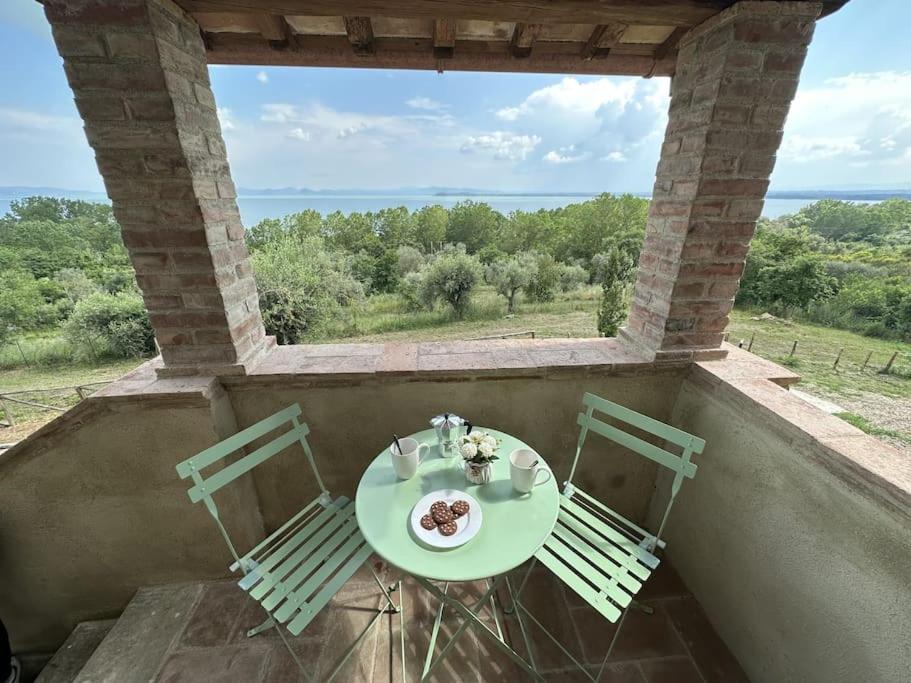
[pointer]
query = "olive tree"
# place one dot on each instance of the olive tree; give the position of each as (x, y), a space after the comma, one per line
(509, 276)
(451, 277)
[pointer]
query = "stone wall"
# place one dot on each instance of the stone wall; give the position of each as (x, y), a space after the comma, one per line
(736, 76)
(140, 79)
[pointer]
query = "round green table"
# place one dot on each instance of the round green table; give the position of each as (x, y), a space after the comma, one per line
(515, 525)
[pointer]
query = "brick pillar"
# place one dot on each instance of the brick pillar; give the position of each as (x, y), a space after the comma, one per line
(138, 72)
(736, 76)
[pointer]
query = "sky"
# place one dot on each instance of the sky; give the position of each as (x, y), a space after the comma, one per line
(849, 126)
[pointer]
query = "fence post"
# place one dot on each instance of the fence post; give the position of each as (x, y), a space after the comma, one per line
(885, 370)
(793, 348)
(866, 360)
(837, 358)
(6, 411)
(750, 345)
(81, 392)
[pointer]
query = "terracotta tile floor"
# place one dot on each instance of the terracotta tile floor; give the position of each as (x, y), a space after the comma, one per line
(676, 643)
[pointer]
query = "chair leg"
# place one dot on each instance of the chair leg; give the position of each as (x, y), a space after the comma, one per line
(642, 607)
(613, 642)
(265, 626)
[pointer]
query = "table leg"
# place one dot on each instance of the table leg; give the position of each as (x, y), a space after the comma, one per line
(435, 632)
(471, 617)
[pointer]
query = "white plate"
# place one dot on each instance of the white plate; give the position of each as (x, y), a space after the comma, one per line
(468, 524)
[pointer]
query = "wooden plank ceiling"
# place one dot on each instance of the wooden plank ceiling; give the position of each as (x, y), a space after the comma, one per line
(609, 37)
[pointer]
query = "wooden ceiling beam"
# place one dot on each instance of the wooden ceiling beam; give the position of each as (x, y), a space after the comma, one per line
(655, 12)
(667, 47)
(602, 40)
(360, 34)
(444, 38)
(523, 39)
(392, 53)
(275, 29)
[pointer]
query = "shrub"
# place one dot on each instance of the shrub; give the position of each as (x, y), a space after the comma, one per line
(572, 277)
(451, 277)
(614, 270)
(302, 287)
(114, 324)
(76, 284)
(20, 300)
(411, 289)
(544, 279)
(410, 260)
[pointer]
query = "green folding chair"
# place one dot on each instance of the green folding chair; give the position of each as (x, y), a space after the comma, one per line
(298, 568)
(602, 556)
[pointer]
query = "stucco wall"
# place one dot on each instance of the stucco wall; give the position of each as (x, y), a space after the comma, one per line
(806, 576)
(92, 509)
(351, 424)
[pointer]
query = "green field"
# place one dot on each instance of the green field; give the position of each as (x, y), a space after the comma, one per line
(877, 403)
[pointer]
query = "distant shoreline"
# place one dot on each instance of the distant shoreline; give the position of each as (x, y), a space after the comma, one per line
(11, 193)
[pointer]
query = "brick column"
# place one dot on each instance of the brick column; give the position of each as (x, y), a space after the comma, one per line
(138, 72)
(736, 76)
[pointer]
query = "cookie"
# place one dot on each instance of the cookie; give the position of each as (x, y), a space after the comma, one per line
(428, 523)
(443, 515)
(459, 508)
(448, 529)
(439, 506)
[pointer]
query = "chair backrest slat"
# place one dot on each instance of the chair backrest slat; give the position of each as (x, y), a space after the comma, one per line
(634, 443)
(645, 423)
(228, 474)
(239, 440)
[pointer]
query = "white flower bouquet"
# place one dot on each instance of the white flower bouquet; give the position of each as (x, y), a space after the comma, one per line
(478, 448)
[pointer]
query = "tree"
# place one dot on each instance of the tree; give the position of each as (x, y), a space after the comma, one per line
(544, 277)
(430, 226)
(302, 288)
(473, 224)
(76, 284)
(451, 277)
(509, 276)
(20, 300)
(614, 273)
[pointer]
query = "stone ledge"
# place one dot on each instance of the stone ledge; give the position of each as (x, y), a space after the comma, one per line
(495, 358)
(865, 463)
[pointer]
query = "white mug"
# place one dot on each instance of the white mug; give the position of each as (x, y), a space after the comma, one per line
(406, 463)
(524, 472)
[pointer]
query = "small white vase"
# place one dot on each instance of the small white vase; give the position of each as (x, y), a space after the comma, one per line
(477, 474)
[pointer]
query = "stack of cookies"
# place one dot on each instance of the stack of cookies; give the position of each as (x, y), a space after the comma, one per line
(443, 516)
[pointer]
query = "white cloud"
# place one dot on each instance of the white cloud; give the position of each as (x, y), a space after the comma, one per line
(27, 120)
(262, 77)
(278, 113)
(299, 134)
(566, 155)
(573, 96)
(224, 117)
(858, 119)
(424, 103)
(612, 119)
(505, 146)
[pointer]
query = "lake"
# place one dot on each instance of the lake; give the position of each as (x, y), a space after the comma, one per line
(254, 209)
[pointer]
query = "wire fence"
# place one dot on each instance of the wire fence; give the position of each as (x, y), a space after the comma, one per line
(24, 404)
(883, 363)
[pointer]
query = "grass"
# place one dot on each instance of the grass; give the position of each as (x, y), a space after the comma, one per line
(26, 418)
(865, 425)
(384, 318)
(817, 349)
